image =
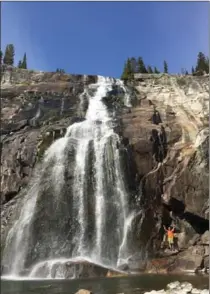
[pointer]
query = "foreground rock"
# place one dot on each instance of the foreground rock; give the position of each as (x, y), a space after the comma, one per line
(179, 288)
(193, 259)
(82, 291)
(68, 270)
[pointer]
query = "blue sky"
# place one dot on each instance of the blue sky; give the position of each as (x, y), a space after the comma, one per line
(97, 37)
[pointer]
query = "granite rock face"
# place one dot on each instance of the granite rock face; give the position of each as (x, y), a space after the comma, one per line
(164, 139)
(167, 134)
(36, 108)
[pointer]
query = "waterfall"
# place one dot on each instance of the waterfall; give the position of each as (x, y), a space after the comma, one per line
(77, 205)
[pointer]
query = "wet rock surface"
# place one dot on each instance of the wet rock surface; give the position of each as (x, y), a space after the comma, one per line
(36, 108)
(164, 150)
(69, 270)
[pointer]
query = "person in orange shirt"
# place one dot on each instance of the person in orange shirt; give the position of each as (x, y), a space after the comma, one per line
(170, 235)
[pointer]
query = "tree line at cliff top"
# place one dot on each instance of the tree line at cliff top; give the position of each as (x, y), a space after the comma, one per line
(136, 65)
(8, 58)
(132, 65)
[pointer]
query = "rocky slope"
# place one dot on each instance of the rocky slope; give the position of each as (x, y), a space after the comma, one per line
(164, 146)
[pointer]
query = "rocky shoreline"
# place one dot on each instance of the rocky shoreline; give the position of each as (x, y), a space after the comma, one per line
(171, 288)
(179, 288)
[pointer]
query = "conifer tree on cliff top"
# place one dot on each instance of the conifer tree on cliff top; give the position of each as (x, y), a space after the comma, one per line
(24, 62)
(149, 69)
(127, 70)
(140, 65)
(134, 65)
(1, 56)
(19, 64)
(9, 55)
(165, 67)
(202, 64)
(156, 70)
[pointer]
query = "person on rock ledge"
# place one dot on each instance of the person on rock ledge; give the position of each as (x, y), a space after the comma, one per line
(170, 236)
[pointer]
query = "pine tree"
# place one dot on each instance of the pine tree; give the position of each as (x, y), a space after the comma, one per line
(186, 72)
(149, 69)
(140, 66)
(9, 55)
(127, 71)
(165, 67)
(124, 75)
(19, 64)
(24, 62)
(59, 70)
(192, 70)
(133, 64)
(1, 56)
(201, 65)
(156, 70)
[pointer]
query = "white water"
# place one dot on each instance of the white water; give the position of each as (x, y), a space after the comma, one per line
(96, 130)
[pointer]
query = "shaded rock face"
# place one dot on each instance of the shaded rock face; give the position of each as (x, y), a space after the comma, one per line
(167, 135)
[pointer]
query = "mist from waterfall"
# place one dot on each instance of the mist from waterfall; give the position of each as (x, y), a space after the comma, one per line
(77, 205)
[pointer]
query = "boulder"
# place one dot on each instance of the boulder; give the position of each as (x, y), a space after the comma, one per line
(205, 238)
(188, 260)
(82, 291)
(179, 288)
(68, 270)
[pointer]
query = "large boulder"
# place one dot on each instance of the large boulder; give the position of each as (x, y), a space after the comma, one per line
(189, 260)
(68, 270)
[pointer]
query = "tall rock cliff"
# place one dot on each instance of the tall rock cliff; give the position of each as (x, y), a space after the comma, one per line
(36, 108)
(167, 132)
(164, 150)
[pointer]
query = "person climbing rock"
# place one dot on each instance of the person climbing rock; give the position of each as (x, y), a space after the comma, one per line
(170, 235)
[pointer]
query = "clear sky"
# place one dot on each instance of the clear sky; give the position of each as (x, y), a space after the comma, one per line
(97, 37)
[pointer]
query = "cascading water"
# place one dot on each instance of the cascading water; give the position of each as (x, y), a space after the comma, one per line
(78, 205)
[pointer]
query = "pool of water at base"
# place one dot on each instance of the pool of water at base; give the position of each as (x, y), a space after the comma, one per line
(127, 285)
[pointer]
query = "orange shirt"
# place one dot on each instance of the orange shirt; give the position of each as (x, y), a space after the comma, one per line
(170, 233)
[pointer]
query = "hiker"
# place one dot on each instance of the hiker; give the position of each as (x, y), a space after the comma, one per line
(170, 235)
